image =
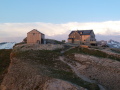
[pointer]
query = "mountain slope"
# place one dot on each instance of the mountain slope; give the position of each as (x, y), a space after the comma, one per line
(113, 44)
(4, 62)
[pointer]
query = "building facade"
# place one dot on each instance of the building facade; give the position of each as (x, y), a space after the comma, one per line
(35, 37)
(82, 37)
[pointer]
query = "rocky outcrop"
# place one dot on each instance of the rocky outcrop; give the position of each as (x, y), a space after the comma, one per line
(29, 70)
(101, 70)
(28, 75)
(56, 84)
(34, 67)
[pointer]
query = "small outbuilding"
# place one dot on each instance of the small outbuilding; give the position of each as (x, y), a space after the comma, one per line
(35, 37)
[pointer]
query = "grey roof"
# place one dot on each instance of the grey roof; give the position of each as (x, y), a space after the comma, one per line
(84, 32)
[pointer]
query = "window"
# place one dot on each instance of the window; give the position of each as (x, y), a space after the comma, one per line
(33, 33)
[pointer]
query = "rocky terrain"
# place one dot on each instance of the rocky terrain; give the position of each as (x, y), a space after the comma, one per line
(98, 66)
(37, 67)
(30, 76)
(101, 70)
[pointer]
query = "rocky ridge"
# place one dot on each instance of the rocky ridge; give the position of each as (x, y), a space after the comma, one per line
(37, 67)
(28, 73)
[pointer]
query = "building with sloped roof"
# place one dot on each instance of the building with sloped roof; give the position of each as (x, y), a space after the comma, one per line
(82, 37)
(35, 37)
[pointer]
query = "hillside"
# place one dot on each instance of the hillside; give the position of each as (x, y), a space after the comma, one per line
(37, 68)
(96, 65)
(44, 67)
(4, 62)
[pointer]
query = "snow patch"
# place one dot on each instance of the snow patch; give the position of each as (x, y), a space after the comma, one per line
(113, 44)
(7, 45)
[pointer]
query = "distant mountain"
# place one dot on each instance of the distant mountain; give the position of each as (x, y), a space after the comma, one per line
(7, 45)
(113, 44)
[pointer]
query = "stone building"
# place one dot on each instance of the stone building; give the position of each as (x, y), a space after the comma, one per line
(35, 37)
(82, 37)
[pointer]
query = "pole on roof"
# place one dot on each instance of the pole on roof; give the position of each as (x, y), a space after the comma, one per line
(81, 38)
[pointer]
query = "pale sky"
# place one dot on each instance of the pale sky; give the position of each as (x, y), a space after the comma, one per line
(57, 18)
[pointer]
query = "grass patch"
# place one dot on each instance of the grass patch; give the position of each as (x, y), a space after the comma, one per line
(92, 52)
(47, 58)
(115, 50)
(4, 62)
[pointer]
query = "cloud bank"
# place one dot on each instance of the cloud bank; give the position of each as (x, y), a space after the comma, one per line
(15, 32)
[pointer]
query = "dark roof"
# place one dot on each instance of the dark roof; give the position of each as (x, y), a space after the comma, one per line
(84, 32)
(70, 38)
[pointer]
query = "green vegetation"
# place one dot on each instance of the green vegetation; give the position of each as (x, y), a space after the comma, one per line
(55, 67)
(93, 52)
(63, 41)
(4, 62)
(43, 57)
(115, 50)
